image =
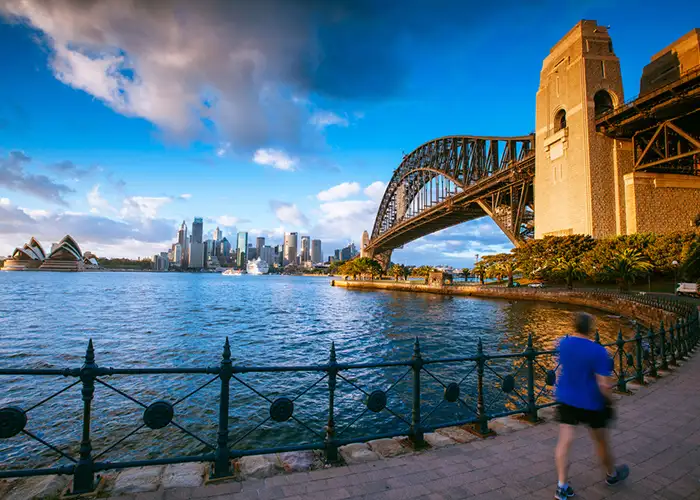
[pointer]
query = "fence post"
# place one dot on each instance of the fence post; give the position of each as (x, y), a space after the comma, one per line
(662, 346)
(640, 359)
(84, 475)
(331, 448)
(483, 424)
(679, 340)
(221, 462)
(416, 432)
(531, 403)
(672, 344)
(652, 355)
(621, 384)
(684, 344)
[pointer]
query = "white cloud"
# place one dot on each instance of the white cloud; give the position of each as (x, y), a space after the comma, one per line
(186, 196)
(323, 119)
(375, 191)
(5, 201)
(97, 202)
(275, 158)
(143, 207)
(227, 220)
(339, 192)
(289, 213)
(103, 235)
(223, 149)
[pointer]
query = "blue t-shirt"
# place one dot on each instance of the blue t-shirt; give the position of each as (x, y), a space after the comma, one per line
(581, 359)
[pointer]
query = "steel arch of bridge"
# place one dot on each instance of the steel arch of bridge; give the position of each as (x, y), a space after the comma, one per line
(454, 179)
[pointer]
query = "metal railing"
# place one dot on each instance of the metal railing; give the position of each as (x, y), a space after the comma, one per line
(522, 382)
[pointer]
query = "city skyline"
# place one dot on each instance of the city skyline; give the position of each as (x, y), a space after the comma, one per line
(120, 174)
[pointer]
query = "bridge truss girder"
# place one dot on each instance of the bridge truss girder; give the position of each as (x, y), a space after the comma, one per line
(454, 179)
(671, 146)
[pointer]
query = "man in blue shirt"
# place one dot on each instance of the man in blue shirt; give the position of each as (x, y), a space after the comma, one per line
(584, 390)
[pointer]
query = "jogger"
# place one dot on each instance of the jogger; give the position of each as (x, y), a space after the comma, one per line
(584, 394)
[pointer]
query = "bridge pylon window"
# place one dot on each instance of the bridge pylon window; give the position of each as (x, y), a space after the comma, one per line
(560, 120)
(602, 102)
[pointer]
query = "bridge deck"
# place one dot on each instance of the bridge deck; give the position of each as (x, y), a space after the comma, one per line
(657, 434)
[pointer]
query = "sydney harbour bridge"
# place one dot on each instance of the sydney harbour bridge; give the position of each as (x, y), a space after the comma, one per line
(455, 179)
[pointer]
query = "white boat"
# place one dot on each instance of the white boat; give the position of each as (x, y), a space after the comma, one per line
(233, 272)
(257, 267)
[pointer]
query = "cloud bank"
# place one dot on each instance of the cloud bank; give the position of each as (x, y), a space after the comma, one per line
(249, 68)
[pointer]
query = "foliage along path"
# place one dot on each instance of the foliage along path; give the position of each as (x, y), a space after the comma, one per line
(657, 433)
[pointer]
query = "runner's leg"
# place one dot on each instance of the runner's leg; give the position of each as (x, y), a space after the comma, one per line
(602, 444)
(561, 455)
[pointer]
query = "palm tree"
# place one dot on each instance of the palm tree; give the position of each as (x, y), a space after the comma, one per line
(423, 272)
(480, 269)
(570, 268)
(466, 272)
(508, 267)
(626, 265)
(397, 271)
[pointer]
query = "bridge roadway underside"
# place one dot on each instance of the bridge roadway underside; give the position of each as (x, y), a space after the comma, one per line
(434, 219)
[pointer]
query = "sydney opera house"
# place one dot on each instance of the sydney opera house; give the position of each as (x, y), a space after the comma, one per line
(64, 256)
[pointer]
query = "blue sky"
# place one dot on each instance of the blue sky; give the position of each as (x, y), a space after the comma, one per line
(119, 120)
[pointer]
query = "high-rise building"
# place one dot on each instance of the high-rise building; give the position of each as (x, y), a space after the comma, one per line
(217, 235)
(337, 254)
(279, 254)
(305, 254)
(259, 243)
(316, 255)
(224, 249)
(209, 249)
(290, 248)
(267, 254)
(177, 254)
(196, 257)
(183, 241)
(242, 250)
(252, 252)
(345, 253)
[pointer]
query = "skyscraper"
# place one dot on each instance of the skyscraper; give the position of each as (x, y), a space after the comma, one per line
(184, 245)
(217, 235)
(242, 250)
(259, 243)
(290, 248)
(316, 255)
(196, 256)
(267, 253)
(305, 248)
(224, 250)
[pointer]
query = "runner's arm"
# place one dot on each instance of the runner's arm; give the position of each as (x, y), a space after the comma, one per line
(603, 375)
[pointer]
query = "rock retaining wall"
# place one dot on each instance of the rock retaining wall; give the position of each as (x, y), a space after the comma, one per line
(647, 315)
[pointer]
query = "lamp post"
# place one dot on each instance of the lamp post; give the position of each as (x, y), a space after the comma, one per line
(675, 274)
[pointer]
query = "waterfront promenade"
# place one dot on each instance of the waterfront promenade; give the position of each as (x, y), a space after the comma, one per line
(657, 434)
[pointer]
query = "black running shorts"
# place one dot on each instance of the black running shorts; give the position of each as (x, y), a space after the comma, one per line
(595, 419)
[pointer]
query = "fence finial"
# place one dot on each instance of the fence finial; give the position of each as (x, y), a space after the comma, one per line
(90, 353)
(333, 358)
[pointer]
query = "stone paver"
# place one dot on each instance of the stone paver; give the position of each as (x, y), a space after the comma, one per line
(657, 434)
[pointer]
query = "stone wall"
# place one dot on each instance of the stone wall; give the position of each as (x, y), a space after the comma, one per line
(661, 203)
(644, 314)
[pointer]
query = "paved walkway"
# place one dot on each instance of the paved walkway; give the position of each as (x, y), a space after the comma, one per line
(657, 434)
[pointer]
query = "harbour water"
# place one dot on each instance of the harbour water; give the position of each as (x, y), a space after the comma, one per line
(181, 320)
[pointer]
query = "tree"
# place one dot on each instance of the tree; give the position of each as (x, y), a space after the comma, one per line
(570, 268)
(397, 271)
(697, 220)
(479, 270)
(627, 265)
(466, 272)
(507, 265)
(423, 272)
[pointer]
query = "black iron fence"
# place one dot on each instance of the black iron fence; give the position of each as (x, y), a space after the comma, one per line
(523, 381)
